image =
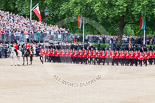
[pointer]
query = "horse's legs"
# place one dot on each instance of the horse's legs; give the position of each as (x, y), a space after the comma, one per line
(14, 61)
(31, 59)
(18, 60)
(27, 60)
(23, 60)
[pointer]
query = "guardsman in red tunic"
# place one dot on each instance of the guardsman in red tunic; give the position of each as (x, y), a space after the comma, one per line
(131, 55)
(56, 55)
(113, 56)
(110, 51)
(85, 55)
(107, 53)
(61, 54)
(53, 54)
(122, 56)
(103, 54)
(82, 56)
(145, 56)
(69, 56)
(94, 56)
(136, 57)
(42, 53)
(89, 56)
(140, 57)
(74, 55)
(127, 57)
(117, 56)
(15, 46)
(79, 55)
(28, 46)
(150, 55)
(47, 55)
(99, 58)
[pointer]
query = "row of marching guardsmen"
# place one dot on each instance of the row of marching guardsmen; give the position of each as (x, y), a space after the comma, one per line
(95, 56)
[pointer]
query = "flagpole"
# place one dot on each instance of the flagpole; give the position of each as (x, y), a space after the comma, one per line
(30, 9)
(144, 37)
(83, 31)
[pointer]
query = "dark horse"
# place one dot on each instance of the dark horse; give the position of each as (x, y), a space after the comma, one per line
(27, 54)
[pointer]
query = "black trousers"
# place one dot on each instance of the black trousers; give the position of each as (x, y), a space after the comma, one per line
(136, 62)
(85, 60)
(103, 61)
(99, 60)
(140, 62)
(113, 61)
(131, 61)
(107, 61)
(41, 59)
(150, 61)
(116, 61)
(145, 62)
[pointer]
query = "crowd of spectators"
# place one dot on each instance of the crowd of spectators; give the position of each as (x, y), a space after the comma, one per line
(106, 39)
(18, 25)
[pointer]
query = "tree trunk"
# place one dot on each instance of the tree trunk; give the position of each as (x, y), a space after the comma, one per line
(121, 27)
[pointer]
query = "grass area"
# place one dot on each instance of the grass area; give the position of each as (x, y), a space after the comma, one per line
(148, 46)
(101, 45)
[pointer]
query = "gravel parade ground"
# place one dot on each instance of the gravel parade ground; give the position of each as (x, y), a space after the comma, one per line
(75, 83)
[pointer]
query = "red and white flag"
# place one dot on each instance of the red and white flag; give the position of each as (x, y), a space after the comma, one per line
(36, 10)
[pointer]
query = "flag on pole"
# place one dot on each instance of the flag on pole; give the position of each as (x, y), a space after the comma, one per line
(143, 21)
(36, 10)
(79, 21)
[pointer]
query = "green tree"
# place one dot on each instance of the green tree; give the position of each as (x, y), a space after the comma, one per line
(124, 12)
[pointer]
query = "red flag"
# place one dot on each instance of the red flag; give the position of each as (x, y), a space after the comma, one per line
(141, 21)
(79, 21)
(36, 10)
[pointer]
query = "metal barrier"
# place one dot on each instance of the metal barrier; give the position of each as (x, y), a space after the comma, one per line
(38, 37)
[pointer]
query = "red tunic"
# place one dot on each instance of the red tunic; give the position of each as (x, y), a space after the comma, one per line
(98, 54)
(107, 53)
(131, 55)
(136, 55)
(89, 53)
(127, 55)
(56, 53)
(53, 52)
(140, 56)
(92, 53)
(117, 55)
(111, 54)
(145, 56)
(122, 55)
(150, 54)
(47, 53)
(42, 52)
(103, 54)
(15, 46)
(28, 45)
